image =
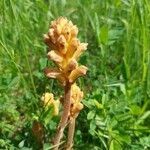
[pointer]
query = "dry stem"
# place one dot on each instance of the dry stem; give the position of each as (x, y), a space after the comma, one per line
(70, 134)
(64, 117)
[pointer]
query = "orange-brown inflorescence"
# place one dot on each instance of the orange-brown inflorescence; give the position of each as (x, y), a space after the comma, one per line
(64, 50)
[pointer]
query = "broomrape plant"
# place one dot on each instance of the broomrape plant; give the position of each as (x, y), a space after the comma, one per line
(64, 49)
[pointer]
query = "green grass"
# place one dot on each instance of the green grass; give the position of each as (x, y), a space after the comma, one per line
(117, 87)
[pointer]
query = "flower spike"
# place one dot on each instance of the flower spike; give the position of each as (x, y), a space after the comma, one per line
(64, 49)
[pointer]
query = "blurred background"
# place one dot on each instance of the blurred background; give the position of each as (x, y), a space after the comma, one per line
(116, 114)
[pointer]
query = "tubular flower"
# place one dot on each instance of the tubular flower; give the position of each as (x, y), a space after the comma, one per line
(64, 48)
(76, 97)
(48, 100)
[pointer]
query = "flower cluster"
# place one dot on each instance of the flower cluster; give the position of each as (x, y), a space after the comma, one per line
(76, 97)
(48, 100)
(64, 50)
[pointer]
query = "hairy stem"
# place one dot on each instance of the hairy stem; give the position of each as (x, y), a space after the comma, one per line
(70, 134)
(64, 117)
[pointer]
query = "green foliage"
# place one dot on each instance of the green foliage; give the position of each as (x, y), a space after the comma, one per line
(117, 88)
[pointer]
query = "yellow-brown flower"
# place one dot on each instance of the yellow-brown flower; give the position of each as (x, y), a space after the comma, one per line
(64, 49)
(48, 100)
(76, 97)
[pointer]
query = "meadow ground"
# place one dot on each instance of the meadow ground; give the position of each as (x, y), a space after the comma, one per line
(116, 114)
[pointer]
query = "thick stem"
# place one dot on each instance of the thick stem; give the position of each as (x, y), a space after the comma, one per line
(70, 134)
(64, 117)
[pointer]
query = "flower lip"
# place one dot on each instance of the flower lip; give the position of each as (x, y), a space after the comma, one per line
(52, 73)
(79, 71)
(53, 55)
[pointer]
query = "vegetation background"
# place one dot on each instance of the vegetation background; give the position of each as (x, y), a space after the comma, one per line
(116, 115)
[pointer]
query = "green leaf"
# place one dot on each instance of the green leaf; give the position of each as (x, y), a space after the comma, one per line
(123, 138)
(92, 127)
(117, 2)
(21, 144)
(97, 104)
(114, 145)
(135, 110)
(104, 34)
(122, 88)
(91, 115)
(145, 141)
(43, 63)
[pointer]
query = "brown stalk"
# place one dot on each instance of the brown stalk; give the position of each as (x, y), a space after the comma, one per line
(64, 117)
(70, 134)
